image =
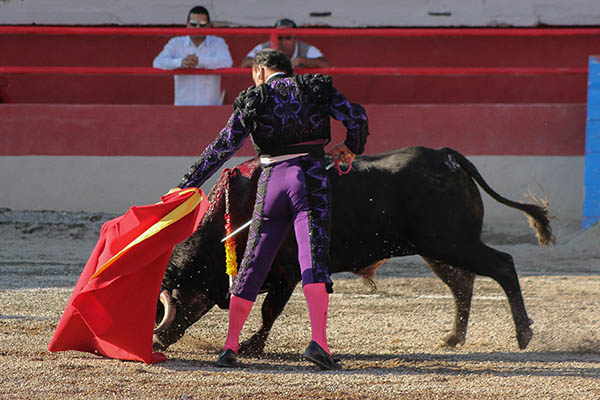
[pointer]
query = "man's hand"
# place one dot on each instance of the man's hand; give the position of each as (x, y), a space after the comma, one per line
(190, 61)
(342, 153)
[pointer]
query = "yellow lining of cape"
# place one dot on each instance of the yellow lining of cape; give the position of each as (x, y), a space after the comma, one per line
(178, 213)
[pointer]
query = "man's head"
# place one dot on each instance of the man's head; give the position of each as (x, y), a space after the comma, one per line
(287, 43)
(198, 17)
(267, 62)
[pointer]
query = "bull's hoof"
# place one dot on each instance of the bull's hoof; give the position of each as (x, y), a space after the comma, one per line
(524, 337)
(254, 346)
(451, 340)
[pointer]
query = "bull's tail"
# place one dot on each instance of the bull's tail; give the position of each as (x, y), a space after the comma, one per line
(537, 215)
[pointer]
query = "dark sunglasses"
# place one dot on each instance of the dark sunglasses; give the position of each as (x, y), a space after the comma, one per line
(195, 24)
(286, 37)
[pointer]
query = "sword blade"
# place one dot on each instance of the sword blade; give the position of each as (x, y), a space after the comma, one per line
(238, 230)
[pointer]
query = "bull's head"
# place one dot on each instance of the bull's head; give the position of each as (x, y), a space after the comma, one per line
(195, 279)
(172, 318)
(187, 294)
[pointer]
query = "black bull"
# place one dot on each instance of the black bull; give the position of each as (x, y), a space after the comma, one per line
(408, 201)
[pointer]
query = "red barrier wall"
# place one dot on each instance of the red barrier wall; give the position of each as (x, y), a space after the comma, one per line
(441, 50)
(163, 130)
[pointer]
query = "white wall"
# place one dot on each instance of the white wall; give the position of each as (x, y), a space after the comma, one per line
(113, 184)
(343, 13)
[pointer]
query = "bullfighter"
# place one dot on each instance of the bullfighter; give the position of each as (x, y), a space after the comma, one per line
(288, 118)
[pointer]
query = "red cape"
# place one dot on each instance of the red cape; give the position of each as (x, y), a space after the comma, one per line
(112, 309)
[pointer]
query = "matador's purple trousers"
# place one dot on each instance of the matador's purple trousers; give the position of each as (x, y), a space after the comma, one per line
(292, 192)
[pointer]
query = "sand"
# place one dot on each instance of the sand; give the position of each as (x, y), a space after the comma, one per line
(387, 339)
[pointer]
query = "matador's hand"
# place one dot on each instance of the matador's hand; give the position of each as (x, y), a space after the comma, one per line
(173, 190)
(342, 152)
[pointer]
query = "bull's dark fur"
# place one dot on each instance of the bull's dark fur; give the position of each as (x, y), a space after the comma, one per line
(408, 201)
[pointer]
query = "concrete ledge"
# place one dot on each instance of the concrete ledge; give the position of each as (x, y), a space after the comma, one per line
(113, 184)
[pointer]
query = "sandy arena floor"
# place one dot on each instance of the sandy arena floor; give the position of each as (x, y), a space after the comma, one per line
(386, 338)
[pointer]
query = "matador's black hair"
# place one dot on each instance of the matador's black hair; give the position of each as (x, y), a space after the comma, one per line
(274, 59)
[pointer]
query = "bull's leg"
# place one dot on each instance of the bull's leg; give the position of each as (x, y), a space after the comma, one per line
(460, 282)
(499, 266)
(280, 290)
(508, 279)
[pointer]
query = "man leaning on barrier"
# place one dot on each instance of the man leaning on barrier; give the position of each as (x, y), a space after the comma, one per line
(302, 55)
(196, 51)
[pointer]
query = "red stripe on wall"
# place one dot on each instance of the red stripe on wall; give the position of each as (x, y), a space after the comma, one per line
(482, 129)
(164, 130)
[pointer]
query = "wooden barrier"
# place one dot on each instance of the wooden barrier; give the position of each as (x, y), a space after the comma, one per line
(4, 98)
(416, 53)
(107, 157)
(162, 130)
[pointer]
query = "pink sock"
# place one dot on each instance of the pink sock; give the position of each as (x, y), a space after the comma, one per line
(238, 312)
(317, 299)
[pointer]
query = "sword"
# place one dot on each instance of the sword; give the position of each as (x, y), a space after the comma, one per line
(238, 230)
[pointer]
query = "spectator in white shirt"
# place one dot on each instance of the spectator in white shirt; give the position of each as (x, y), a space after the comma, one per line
(302, 55)
(208, 52)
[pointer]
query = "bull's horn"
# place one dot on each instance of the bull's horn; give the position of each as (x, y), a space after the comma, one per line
(169, 313)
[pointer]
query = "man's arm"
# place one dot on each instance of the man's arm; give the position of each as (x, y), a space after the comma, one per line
(354, 118)
(168, 58)
(229, 140)
(247, 62)
(314, 58)
(219, 56)
(249, 59)
(318, 62)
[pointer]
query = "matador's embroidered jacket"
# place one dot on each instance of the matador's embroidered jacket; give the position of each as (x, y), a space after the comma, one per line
(279, 114)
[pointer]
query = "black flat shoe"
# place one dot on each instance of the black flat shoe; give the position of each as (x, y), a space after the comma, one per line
(227, 359)
(316, 354)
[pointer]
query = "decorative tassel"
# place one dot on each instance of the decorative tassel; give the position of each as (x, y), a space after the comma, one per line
(231, 265)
